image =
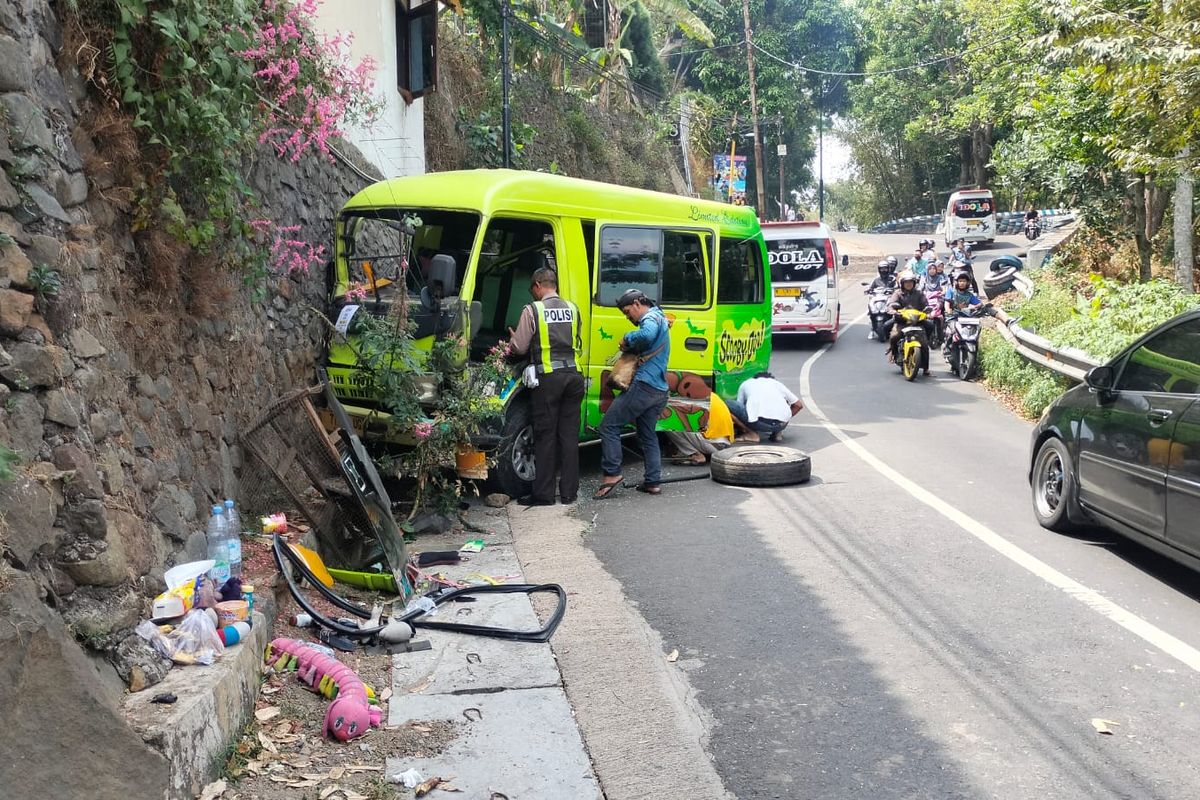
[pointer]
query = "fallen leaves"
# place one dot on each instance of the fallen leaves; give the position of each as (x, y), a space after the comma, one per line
(213, 790)
(267, 714)
(426, 786)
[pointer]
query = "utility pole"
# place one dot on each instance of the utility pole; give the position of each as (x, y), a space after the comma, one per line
(821, 153)
(781, 152)
(758, 153)
(506, 79)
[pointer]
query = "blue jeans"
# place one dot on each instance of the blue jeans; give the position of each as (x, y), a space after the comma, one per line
(763, 427)
(642, 405)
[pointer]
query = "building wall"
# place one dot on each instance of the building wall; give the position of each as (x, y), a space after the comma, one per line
(395, 142)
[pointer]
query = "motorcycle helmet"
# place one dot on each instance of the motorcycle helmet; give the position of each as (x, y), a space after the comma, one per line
(893, 262)
(907, 275)
(884, 268)
(963, 274)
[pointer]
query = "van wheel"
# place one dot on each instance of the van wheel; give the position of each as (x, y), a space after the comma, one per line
(760, 465)
(515, 462)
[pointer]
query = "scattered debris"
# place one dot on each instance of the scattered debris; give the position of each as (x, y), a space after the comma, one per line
(164, 697)
(473, 546)
(427, 786)
(1102, 725)
(497, 500)
(409, 779)
(673, 657)
(267, 714)
(213, 790)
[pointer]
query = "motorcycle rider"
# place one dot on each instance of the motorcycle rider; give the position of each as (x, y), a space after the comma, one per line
(907, 295)
(959, 251)
(935, 278)
(887, 276)
(1031, 215)
(886, 280)
(962, 298)
(916, 265)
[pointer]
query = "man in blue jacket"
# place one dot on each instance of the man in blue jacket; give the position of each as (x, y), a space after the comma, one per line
(643, 402)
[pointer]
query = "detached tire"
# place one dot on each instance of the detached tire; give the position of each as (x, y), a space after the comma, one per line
(760, 465)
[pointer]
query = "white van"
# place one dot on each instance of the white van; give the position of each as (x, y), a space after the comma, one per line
(971, 216)
(803, 258)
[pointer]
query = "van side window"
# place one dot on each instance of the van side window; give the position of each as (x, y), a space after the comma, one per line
(512, 250)
(684, 276)
(630, 258)
(740, 272)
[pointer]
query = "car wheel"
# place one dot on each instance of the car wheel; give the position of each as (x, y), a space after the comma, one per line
(1053, 487)
(515, 462)
(760, 465)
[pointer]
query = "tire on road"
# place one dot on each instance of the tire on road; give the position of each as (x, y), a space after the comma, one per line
(760, 465)
(1053, 487)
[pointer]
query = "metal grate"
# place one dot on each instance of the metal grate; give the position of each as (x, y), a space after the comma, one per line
(290, 449)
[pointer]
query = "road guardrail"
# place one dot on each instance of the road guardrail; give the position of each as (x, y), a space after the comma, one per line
(1068, 361)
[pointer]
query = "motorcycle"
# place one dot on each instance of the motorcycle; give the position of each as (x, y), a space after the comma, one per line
(1032, 230)
(938, 335)
(877, 312)
(962, 341)
(912, 349)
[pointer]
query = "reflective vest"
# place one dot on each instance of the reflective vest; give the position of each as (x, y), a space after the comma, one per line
(557, 341)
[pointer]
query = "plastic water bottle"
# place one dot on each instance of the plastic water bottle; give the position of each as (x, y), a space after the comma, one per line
(233, 524)
(218, 546)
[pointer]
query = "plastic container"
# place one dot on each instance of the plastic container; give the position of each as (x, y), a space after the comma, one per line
(218, 545)
(232, 634)
(233, 522)
(231, 611)
(248, 594)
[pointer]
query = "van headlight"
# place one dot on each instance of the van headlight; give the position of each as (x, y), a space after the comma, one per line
(427, 388)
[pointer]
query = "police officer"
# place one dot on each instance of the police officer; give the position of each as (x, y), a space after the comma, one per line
(548, 332)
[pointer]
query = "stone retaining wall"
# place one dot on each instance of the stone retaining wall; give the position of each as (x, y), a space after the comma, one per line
(122, 402)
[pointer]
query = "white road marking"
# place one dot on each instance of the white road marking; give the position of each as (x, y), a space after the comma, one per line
(1176, 648)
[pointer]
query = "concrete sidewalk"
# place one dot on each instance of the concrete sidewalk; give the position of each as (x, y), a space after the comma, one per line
(518, 737)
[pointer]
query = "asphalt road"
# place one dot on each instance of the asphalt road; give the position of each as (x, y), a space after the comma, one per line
(855, 638)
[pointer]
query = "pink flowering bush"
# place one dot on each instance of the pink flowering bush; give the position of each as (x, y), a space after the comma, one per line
(356, 292)
(286, 253)
(310, 87)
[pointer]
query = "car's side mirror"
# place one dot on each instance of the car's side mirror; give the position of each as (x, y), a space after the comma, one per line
(845, 261)
(1101, 379)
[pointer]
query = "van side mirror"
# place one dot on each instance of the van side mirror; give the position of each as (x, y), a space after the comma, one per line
(845, 261)
(1101, 379)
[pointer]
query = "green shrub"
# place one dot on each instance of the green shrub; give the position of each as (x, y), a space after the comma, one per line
(1007, 370)
(1110, 315)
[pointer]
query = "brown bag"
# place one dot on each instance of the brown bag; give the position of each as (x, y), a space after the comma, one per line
(620, 377)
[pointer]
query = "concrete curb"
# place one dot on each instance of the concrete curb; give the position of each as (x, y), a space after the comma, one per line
(519, 735)
(214, 702)
(642, 726)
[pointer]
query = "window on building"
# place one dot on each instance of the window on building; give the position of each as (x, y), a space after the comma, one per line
(416, 49)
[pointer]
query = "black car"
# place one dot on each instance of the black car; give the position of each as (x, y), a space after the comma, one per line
(1123, 449)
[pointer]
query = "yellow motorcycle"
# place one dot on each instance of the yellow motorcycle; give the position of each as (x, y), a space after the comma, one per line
(913, 345)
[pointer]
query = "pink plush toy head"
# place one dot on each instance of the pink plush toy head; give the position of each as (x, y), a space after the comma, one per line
(347, 717)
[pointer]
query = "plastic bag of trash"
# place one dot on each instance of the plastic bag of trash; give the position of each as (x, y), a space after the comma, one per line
(194, 641)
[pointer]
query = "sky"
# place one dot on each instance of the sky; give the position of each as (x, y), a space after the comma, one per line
(837, 160)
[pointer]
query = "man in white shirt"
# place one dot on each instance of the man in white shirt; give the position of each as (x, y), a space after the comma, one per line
(765, 406)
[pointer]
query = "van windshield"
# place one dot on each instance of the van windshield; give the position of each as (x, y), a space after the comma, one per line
(973, 207)
(394, 245)
(797, 260)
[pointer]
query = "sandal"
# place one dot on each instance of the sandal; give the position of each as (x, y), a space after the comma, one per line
(649, 488)
(607, 488)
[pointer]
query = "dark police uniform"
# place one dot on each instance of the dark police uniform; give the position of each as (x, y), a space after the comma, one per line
(558, 398)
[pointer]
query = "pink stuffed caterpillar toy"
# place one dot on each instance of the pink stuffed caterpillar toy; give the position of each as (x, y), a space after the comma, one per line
(352, 712)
